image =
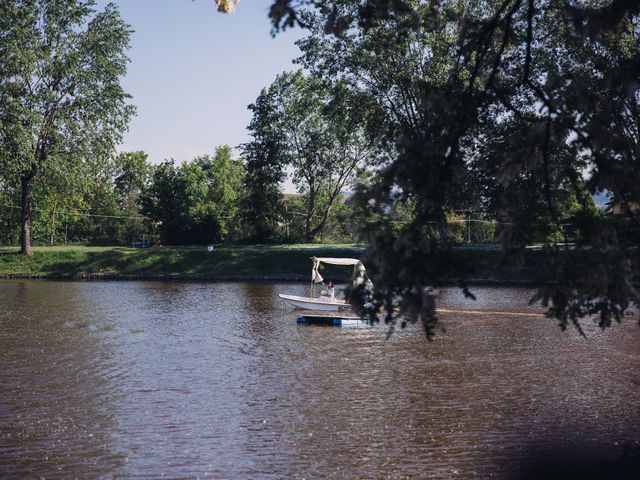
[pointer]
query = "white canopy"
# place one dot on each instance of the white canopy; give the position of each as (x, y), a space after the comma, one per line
(358, 274)
(337, 261)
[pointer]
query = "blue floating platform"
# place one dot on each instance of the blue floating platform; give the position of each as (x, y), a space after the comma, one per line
(333, 320)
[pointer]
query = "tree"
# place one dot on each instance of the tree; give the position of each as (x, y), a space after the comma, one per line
(564, 74)
(60, 95)
(262, 204)
(131, 178)
(166, 201)
(9, 221)
(322, 138)
(225, 189)
(404, 74)
(197, 202)
(63, 192)
(76, 204)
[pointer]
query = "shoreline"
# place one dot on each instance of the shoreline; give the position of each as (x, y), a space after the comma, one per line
(235, 263)
(478, 282)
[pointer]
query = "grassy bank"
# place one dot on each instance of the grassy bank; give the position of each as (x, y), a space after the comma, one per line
(258, 261)
(226, 262)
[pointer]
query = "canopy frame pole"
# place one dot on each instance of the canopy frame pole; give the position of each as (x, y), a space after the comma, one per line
(314, 267)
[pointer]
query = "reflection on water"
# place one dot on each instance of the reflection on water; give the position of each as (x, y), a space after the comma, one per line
(193, 379)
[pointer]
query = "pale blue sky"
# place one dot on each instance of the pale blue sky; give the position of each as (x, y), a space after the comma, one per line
(193, 72)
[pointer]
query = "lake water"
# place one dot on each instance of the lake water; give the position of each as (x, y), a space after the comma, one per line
(196, 380)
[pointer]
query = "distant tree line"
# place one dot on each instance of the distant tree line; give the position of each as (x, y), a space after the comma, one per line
(127, 199)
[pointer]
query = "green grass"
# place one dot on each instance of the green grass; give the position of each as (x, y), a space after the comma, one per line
(226, 261)
(235, 262)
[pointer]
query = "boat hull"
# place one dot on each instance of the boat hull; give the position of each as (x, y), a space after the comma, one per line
(309, 303)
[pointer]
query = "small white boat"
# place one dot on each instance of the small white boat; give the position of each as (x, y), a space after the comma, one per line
(322, 303)
(310, 303)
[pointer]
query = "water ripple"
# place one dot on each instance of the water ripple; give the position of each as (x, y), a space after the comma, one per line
(179, 380)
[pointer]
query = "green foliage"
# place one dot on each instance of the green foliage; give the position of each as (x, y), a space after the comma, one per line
(319, 127)
(60, 96)
(131, 178)
(197, 202)
(225, 179)
(262, 206)
(9, 217)
(166, 201)
(62, 194)
(93, 203)
(340, 227)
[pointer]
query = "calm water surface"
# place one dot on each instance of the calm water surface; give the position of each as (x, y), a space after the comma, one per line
(187, 380)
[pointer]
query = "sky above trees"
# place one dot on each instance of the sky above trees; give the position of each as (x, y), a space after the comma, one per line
(193, 72)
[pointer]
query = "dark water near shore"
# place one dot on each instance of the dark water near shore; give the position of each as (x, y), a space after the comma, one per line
(187, 380)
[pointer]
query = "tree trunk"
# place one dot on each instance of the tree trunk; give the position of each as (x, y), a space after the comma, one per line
(311, 205)
(52, 224)
(318, 228)
(308, 237)
(25, 234)
(443, 237)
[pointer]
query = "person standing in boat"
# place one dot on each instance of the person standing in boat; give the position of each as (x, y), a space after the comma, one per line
(329, 294)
